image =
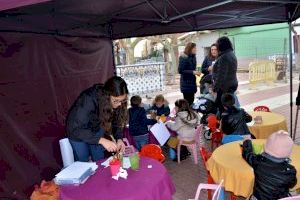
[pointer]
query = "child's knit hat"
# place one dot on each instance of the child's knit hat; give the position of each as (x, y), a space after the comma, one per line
(279, 145)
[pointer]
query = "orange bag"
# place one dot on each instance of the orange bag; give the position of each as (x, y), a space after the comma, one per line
(48, 190)
(152, 151)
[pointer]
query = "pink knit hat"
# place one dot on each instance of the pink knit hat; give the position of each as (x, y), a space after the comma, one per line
(279, 145)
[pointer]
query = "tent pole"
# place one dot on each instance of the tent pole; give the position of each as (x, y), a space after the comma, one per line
(112, 48)
(291, 75)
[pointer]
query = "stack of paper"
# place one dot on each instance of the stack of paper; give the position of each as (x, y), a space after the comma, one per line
(76, 173)
(160, 132)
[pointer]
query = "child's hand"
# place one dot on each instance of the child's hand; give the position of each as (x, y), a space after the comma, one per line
(153, 115)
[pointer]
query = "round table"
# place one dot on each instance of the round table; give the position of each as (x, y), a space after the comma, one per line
(228, 164)
(146, 183)
(272, 122)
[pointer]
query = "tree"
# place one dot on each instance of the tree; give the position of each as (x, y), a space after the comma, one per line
(128, 44)
(170, 43)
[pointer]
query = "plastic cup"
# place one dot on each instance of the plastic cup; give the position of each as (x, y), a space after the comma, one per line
(134, 161)
(257, 148)
(115, 167)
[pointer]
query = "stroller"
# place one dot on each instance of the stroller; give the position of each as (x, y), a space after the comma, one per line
(206, 106)
(205, 83)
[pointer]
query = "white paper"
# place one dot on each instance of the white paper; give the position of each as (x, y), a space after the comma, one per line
(106, 163)
(66, 152)
(76, 173)
(160, 132)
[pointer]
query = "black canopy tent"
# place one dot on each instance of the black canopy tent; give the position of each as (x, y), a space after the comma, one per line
(73, 26)
(121, 19)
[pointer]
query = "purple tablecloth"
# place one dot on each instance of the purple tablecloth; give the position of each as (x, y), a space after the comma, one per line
(145, 184)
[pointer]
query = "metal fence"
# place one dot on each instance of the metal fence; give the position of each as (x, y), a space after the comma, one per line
(143, 78)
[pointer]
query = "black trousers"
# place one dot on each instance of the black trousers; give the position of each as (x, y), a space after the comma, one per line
(219, 104)
(189, 97)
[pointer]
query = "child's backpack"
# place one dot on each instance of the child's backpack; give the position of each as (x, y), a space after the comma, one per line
(152, 151)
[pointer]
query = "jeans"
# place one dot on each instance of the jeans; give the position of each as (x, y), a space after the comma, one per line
(237, 103)
(83, 151)
(141, 140)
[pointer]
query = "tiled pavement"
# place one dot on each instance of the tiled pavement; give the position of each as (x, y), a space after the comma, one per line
(186, 176)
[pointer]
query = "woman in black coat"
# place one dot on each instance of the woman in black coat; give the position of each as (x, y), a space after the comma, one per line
(224, 71)
(187, 70)
(96, 120)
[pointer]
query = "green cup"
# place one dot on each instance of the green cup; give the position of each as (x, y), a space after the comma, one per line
(257, 148)
(134, 161)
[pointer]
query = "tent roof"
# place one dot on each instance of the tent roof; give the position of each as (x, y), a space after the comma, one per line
(131, 18)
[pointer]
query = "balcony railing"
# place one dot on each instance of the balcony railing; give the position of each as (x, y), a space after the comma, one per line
(143, 78)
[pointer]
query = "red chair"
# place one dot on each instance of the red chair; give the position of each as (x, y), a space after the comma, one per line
(217, 135)
(262, 109)
(205, 155)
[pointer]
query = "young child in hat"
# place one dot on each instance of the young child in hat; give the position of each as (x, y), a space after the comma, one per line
(274, 176)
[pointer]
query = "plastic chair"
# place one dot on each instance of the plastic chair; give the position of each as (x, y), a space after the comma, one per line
(262, 109)
(191, 145)
(292, 198)
(216, 134)
(66, 152)
(232, 138)
(218, 194)
(205, 156)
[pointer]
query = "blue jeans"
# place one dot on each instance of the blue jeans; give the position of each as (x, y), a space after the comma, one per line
(83, 151)
(237, 103)
(141, 140)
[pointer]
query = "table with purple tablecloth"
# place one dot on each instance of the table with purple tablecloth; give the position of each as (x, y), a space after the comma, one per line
(147, 183)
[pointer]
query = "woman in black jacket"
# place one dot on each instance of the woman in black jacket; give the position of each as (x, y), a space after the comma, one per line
(224, 71)
(207, 65)
(96, 119)
(187, 70)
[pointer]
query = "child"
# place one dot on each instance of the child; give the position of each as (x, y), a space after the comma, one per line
(160, 106)
(138, 122)
(234, 120)
(186, 121)
(274, 176)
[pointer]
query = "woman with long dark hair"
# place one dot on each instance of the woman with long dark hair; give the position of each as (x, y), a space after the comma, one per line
(224, 71)
(96, 120)
(187, 70)
(209, 60)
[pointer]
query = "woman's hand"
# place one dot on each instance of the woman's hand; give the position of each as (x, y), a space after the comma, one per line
(108, 145)
(196, 73)
(210, 68)
(120, 145)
